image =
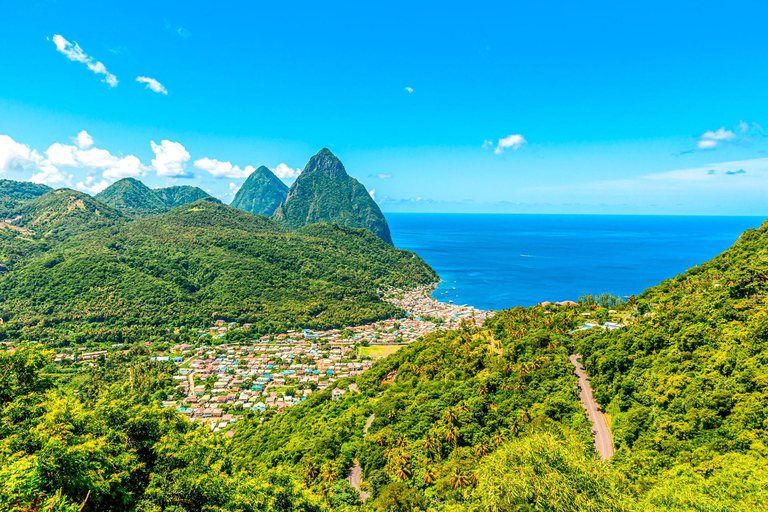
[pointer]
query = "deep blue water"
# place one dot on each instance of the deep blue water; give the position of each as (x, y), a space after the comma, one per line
(497, 261)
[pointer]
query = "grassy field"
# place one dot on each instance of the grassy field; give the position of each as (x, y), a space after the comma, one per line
(378, 350)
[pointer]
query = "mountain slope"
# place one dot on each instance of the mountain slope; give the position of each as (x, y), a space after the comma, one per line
(261, 193)
(179, 195)
(14, 193)
(686, 383)
(207, 260)
(324, 192)
(132, 197)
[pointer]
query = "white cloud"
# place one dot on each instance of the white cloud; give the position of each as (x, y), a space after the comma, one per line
(223, 169)
(170, 159)
(409, 89)
(83, 140)
(713, 139)
(49, 174)
(152, 84)
(381, 176)
(511, 141)
(76, 54)
(487, 144)
(62, 155)
(284, 172)
(15, 156)
(372, 193)
(91, 185)
(124, 167)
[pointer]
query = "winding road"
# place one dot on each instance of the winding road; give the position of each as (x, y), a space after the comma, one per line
(355, 471)
(600, 430)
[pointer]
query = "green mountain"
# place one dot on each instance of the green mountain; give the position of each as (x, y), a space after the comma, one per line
(132, 197)
(63, 213)
(261, 193)
(324, 192)
(179, 195)
(206, 260)
(14, 193)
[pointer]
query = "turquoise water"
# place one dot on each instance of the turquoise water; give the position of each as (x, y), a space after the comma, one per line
(500, 261)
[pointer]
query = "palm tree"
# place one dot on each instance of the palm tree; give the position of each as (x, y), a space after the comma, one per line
(481, 449)
(459, 480)
(328, 473)
(452, 435)
(450, 416)
(429, 476)
(310, 471)
(402, 441)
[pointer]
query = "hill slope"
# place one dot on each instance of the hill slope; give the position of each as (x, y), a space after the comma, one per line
(14, 193)
(179, 195)
(324, 192)
(686, 384)
(204, 261)
(261, 193)
(132, 197)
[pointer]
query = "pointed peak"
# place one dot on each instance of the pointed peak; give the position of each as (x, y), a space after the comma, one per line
(327, 163)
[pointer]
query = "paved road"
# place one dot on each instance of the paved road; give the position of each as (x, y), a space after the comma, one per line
(356, 472)
(600, 431)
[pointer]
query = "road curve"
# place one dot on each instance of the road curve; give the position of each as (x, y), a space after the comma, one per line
(600, 431)
(355, 471)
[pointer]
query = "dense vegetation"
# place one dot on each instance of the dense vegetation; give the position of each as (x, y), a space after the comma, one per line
(180, 194)
(324, 192)
(133, 198)
(474, 419)
(687, 383)
(261, 193)
(13, 193)
(195, 264)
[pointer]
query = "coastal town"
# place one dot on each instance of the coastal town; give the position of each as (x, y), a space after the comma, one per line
(218, 381)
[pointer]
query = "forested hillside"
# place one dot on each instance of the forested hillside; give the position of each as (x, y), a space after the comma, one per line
(13, 193)
(687, 383)
(197, 263)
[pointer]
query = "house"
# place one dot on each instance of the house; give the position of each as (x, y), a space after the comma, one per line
(336, 394)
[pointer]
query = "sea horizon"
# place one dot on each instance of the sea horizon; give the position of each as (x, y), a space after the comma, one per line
(498, 261)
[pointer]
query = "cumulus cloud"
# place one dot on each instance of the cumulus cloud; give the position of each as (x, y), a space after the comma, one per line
(223, 169)
(713, 139)
(284, 172)
(83, 140)
(511, 141)
(62, 155)
(152, 84)
(170, 159)
(15, 156)
(409, 89)
(92, 185)
(73, 52)
(742, 134)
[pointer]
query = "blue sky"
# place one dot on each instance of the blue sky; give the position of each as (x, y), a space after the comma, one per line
(547, 107)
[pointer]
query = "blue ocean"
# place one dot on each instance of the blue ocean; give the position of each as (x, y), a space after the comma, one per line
(498, 261)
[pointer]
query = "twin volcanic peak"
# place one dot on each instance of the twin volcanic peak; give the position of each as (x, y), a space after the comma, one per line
(324, 192)
(261, 193)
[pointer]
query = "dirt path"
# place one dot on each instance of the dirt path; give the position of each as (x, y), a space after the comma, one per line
(355, 471)
(600, 431)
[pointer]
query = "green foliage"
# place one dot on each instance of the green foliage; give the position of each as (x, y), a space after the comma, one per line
(14, 193)
(261, 193)
(180, 195)
(132, 197)
(686, 383)
(201, 262)
(324, 192)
